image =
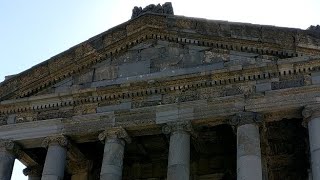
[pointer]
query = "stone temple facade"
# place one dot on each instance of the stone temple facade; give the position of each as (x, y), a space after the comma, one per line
(166, 97)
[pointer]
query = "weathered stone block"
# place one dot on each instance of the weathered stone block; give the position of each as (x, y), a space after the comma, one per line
(84, 78)
(11, 119)
(105, 72)
(149, 53)
(171, 113)
(193, 58)
(263, 87)
(315, 78)
(134, 69)
(213, 57)
(65, 82)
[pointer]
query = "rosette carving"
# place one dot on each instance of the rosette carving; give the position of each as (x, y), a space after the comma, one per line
(115, 133)
(55, 140)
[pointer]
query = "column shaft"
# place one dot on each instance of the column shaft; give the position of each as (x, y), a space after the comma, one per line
(111, 168)
(179, 156)
(6, 164)
(314, 140)
(55, 163)
(248, 153)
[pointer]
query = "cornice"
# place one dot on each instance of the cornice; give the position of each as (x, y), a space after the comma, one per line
(149, 26)
(217, 78)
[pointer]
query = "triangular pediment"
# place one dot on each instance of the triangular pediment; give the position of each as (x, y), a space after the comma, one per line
(158, 45)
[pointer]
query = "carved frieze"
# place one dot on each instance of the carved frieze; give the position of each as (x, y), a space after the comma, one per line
(287, 84)
(85, 109)
(55, 113)
(3, 120)
(26, 117)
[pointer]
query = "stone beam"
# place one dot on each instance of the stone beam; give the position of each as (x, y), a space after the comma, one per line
(22, 156)
(74, 154)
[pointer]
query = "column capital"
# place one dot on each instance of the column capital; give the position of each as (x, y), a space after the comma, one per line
(60, 140)
(115, 133)
(171, 127)
(33, 171)
(7, 145)
(11, 147)
(311, 111)
(243, 118)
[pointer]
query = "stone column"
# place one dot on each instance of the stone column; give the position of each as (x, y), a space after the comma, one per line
(249, 165)
(6, 159)
(33, 173)
(312, 121)
(56, 157)
(112, 162)
(179, 150)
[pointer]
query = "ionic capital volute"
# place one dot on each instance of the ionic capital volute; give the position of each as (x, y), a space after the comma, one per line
(184, 126)
(309, 112)
(11, 147)
(60, 140)
(243, 118)
(115, 133)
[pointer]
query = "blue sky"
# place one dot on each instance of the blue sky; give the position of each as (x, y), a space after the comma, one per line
(35, 30)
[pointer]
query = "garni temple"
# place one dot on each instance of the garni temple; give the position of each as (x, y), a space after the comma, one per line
(167, 97)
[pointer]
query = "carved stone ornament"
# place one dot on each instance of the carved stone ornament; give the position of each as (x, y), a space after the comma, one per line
(309, 112)
(55, 140)
(115, 133)
(33, 171)
(185, 126)
(246, 118)
(166, 8)
(10, 146)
